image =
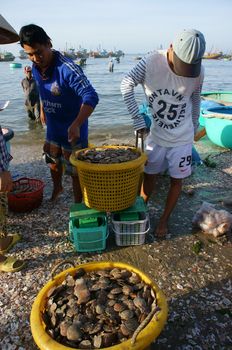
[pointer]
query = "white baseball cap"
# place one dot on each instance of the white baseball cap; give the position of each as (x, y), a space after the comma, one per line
(189, 48)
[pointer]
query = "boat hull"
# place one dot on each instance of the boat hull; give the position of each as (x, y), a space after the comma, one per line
(15, 65)
(6, 57)
(213, 99)
(219, 130)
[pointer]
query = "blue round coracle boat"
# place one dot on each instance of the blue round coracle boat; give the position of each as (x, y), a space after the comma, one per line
(218, 125)
(15, 65)
(212, 99)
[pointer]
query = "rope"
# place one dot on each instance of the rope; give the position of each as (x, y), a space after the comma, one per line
(144, 323)
(225, 103)
(70, 262)
(218, 115)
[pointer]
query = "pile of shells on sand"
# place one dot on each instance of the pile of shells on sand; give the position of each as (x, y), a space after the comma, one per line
(97, 309)
(108, 155)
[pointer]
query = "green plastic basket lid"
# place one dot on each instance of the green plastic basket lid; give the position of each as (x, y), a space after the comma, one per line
(79, 210)
(138, 206)
(129, 216)
(88, 222)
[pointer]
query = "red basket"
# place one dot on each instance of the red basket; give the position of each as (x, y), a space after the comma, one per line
(27, 195)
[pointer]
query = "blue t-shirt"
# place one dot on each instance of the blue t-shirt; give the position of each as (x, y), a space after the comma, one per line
(63, 89)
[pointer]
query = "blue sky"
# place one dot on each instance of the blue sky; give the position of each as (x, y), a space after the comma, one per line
(134, 26)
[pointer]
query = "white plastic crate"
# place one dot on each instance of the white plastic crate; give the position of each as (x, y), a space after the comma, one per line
(131, 232)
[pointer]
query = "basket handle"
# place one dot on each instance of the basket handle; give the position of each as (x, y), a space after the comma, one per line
(155, 310)
(137, 140)
(60, 264)
(148, 226)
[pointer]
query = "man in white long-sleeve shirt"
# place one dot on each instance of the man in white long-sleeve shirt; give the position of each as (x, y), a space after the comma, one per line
(172, 82)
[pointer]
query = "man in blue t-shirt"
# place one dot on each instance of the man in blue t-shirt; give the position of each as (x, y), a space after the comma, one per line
(67, 100)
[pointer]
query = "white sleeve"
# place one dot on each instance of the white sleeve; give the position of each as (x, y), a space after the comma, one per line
(196, 102)
(133, 78)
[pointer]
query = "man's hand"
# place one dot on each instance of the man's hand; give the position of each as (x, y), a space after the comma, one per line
(73, 133)
(142, 132)
(6, 183)
(42, 116)
(43, 120)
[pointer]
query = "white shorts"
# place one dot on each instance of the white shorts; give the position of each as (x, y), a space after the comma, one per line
(177, 160)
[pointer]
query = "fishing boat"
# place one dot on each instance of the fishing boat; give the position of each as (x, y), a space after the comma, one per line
(70, 53)
(99, 54)
(6, 57)
(217, 117)
(117, 53)
(82, 53)
(212, 55)
(15, 65)
(22, 55)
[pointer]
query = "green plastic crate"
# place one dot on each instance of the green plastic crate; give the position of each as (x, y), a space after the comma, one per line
(90, 239)
(82, 212)
(88, 228)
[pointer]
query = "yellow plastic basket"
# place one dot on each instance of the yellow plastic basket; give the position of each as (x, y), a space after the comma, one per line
(144, 338)
(110, 187)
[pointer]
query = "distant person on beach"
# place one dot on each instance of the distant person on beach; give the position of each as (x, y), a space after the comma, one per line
(7, 264)
(67, 101)
(31, 92)
(172, 82)
(111, 66)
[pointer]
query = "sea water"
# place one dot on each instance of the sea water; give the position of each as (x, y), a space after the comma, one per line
(110, 122)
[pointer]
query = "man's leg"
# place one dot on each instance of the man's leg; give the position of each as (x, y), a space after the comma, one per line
(30, 112)
(52, 158)
(173, 195)
(71, 170)
(148, 186)
(56, 175)
(76, 189)
(37, 112)
(179, 166)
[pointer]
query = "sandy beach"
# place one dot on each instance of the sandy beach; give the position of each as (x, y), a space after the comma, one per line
(197, 284)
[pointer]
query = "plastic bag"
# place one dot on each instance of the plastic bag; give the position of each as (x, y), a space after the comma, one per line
(211, 220)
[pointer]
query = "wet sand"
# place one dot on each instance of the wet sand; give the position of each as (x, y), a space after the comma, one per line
(197, 284)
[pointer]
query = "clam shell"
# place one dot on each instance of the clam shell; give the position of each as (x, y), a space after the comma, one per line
(85, 344)
(74, 333)
(97, 309)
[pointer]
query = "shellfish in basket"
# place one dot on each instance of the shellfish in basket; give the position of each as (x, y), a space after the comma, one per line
(108, 155)
(101, 305)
